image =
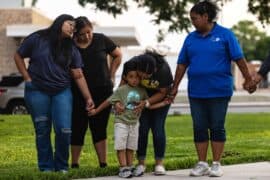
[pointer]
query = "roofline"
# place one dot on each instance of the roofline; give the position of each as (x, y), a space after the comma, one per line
(114, 32)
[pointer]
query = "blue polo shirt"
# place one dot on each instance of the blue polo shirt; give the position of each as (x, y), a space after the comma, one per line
(44, 72)
(209, 62)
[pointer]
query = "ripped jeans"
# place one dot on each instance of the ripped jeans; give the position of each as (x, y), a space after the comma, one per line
(46, 110)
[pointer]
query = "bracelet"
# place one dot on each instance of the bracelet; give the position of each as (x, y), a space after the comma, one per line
(147, 103)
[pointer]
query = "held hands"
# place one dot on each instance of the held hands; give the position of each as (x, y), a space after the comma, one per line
(89, 104)
(138, 109)
(119, 108)
(92, 112)
(251, 85)
(171, 96)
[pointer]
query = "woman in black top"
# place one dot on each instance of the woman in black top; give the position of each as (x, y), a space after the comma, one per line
(95, 49)
(156, 78)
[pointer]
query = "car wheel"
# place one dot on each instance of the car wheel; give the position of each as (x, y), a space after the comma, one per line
(17, 107)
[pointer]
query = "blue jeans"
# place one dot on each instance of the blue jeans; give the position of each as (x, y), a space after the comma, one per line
(154, 120)
(209, 114)
(46, 110)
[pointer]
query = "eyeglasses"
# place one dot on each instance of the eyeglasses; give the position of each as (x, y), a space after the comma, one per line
(72, 24)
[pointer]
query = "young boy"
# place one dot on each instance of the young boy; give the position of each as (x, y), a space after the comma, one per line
(127, 123)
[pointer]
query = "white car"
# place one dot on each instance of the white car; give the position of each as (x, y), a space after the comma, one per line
(12, 95)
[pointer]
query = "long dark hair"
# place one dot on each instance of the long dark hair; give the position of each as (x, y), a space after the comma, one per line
(81, 22)
(59, 46)
(149, 61)
(158, 57)
(206, 7)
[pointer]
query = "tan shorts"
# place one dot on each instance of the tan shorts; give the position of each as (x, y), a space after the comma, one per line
(126, 136)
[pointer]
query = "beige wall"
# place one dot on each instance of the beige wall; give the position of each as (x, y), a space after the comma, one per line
(8, 45)
(39, 18)
(238, 78)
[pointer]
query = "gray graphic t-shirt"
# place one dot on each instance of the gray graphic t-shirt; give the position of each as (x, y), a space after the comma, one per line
(130, 97)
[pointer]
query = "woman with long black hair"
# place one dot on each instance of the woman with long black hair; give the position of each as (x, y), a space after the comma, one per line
(53, 61)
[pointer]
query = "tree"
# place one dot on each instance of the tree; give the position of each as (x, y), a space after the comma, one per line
(255, 43)
(175, 13)
(248, 36)
(262, 48)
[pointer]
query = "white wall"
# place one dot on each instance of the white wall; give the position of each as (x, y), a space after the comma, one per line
(10, 3)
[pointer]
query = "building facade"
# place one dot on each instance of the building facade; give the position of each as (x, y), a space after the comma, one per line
(8, 45)
(17, 23)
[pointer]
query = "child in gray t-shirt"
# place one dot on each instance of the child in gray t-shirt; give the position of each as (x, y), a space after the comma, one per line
(127, 123)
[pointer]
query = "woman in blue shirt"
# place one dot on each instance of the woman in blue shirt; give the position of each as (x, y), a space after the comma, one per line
(53, 61)
(207, 54)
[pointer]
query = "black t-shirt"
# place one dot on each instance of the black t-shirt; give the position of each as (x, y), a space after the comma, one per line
(162, 78)
(94, 57)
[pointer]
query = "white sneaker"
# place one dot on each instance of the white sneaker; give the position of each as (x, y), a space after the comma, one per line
(63, 171)
(216, 170)
(138, 171)
(200, 169)
(124, 172)
(159, 170)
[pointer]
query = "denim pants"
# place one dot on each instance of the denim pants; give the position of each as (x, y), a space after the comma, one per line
(154, 120)
(46, 110)
(208, 115)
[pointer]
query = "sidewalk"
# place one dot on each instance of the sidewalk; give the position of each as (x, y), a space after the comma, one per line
(252, 171)
(241, 102)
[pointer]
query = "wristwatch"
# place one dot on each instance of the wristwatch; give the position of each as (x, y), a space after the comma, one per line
(147, 103)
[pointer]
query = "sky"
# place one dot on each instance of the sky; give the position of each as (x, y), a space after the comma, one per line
(231, 13)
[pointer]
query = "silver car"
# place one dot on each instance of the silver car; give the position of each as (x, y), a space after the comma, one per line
(12, 95)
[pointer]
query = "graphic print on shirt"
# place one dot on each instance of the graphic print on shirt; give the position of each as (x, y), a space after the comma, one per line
(150, 83)
(215, 39)
(133, 99)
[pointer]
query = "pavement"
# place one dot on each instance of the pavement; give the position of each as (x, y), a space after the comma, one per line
(241, 102)
(251, 171)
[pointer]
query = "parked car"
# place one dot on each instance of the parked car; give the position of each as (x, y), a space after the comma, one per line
(12, 95)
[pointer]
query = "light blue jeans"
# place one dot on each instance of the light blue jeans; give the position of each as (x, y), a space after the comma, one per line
(46, 110)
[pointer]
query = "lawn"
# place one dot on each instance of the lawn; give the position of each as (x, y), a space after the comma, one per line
(248, 137)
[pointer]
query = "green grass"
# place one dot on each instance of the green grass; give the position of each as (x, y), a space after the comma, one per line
(248, 137)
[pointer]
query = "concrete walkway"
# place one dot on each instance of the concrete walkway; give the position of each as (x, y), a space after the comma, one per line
(252, 171)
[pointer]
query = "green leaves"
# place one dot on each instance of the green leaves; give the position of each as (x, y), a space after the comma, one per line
(255, 43)
(172, 15)
(261, 9)
(114, 7)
